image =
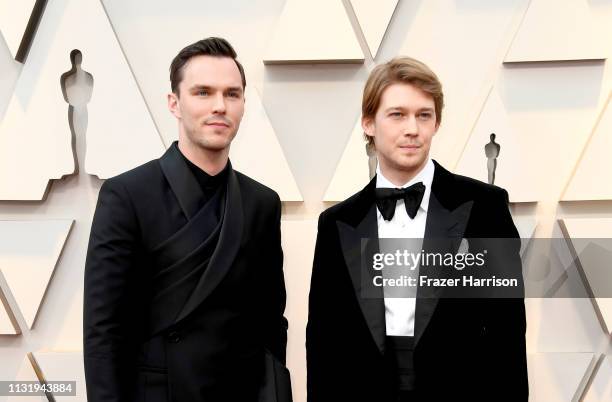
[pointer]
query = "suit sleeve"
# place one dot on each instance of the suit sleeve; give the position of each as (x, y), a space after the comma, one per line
(506, 324)
(321, 343)
(276, 325)
(106, 313)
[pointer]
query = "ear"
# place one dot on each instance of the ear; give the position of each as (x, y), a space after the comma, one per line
(173, 105)
(367, 123)
(437, 127)
(243, 106)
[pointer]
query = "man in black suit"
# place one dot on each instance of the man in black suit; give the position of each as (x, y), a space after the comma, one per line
(362, 343)
(184, 287)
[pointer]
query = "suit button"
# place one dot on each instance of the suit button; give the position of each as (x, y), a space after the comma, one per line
(174, 337)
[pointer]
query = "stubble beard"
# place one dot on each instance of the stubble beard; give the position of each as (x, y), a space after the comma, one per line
(407, 165)
(200, 140)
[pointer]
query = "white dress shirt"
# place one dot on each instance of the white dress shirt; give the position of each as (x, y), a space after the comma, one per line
(400, 312)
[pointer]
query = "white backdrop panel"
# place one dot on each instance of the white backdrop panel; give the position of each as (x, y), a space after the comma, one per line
(257, 152)
(352, 172)
(7, 322)
(556, 377)
(35, 136)
(25, 373)
(14, 16)
(29, 251)
(10, 71)
(466, 71)
(596, 270)
(595, 165)
(558, 30)
(62, 366)
(299, 238)
(601, 387)
(514, 170)
(314, 31)
(374, 17)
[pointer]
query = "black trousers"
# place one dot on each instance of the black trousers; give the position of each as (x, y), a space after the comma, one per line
(406, 396)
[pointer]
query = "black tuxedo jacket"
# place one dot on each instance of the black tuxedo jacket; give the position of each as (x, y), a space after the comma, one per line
(465, 349)
(182, 298)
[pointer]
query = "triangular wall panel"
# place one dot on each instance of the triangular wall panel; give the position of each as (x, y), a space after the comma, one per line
(29, 251)
(8, 324)
(315, 31)
(374, 18)
(352, 172)
(25, 372)
(257, 152)
(526, 227)
(600, 389)
(466, 72)
(591, 245)
(592, 179)
(555, 31)
(515, 169)
(14, 17)
(557, 377)
(35, 135)
(10, 72)
(61, 366)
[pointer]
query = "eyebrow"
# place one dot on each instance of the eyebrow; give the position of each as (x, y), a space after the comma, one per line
(424, 109)
(198, 87)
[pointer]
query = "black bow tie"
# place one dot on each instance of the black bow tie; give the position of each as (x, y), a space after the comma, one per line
(386, 199)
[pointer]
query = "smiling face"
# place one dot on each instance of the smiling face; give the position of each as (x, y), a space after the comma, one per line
(209, 104)
(402, 129)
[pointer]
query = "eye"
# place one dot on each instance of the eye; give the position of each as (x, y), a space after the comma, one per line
(396, 114)
(202, 92)
(425, 116)
(234, 94)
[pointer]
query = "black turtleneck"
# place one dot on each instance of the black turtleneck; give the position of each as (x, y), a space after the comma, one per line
(208, 183)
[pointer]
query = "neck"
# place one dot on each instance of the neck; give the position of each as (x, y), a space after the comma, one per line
(210, 161)
(399, 177)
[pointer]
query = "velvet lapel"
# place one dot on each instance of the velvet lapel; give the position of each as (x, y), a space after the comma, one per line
(351, 233)
(444, 229)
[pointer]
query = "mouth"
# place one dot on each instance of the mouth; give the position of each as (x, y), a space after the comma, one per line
(217, 124)
(409, 147)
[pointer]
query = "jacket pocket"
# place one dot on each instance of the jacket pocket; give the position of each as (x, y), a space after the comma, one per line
(153, 384)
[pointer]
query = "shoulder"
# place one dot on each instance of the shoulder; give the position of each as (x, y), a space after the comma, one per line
(352, 210)
(137, 182)
(253, 189)
(340, 210)
(463, 188)
(135, 177)
(491, 214)
(479, 190)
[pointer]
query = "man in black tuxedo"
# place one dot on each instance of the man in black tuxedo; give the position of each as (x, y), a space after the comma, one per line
(184, 287)
(373, 347)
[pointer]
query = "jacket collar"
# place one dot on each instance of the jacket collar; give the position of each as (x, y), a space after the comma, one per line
(358, 233)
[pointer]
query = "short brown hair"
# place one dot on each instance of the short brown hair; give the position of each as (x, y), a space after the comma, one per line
(400, 70)
(218, 47)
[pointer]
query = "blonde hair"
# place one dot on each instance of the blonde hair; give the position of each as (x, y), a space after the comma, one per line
(400, 70)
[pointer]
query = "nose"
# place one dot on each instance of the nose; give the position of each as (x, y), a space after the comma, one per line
(219, 104)
(411, 127)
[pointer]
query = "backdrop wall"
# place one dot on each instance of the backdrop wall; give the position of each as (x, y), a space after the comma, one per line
(534, 72)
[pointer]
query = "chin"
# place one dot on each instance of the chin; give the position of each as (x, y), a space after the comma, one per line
(409, 162)
(214, 145)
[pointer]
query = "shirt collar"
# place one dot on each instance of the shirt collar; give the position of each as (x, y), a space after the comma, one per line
(425, 175)
(206, 181)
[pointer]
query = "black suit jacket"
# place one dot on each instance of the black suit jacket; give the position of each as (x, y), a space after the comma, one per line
(465, 349)
(205, 344)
